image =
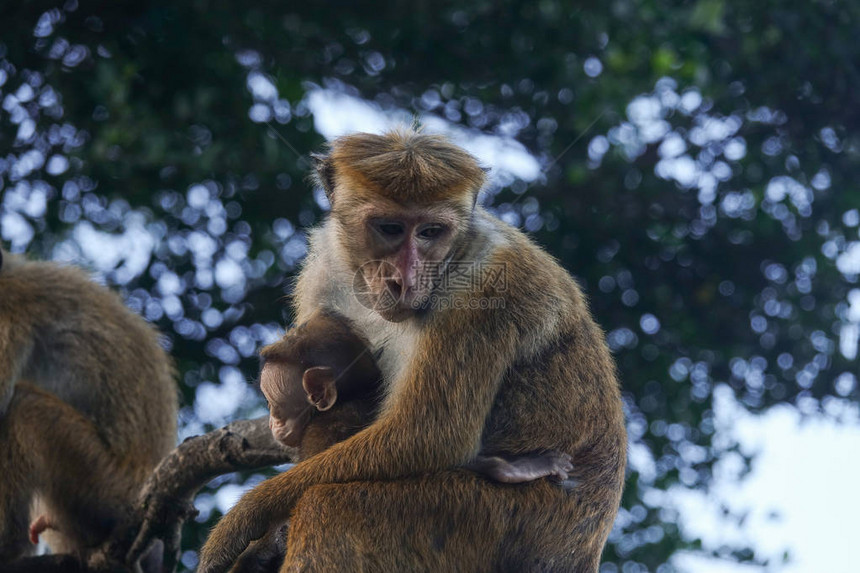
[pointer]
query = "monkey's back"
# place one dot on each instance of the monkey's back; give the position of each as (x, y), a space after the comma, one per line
(94, 353)
(561, 393)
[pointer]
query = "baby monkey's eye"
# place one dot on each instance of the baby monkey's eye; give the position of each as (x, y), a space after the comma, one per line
(431, 232)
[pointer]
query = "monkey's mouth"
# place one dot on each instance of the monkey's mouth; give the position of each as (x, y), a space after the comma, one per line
(391, 301)
(409, 298)
(290, 432)
(396, 305)
(379, 286)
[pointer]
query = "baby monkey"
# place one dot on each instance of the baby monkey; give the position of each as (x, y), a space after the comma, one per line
(327, 387)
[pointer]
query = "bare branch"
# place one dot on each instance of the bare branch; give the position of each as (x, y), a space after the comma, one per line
(167, 497)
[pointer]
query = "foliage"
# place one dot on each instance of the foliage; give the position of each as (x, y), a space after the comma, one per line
(700, 179)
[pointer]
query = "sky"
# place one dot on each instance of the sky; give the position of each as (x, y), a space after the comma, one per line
(801, 494)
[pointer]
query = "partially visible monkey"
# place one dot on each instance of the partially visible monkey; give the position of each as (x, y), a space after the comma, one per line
(88, 408)
(486, 344)
(322, 385)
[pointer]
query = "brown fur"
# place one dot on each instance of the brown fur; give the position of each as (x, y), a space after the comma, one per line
(87, 406)
(530, 374)
(323, 430)
(403, 166)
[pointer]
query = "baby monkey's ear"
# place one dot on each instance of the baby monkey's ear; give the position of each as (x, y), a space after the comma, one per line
(319, 383)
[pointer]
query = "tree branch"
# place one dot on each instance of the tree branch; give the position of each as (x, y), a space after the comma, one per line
(167, 497)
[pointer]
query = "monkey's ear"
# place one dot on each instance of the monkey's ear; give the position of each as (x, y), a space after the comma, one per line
(319, 383)
(476, 193)
(324, 173)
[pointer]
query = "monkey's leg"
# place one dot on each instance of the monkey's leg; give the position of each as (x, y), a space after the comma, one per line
(451, 521)
(15, 493)
(71, 467)
(265, 554)
(14, 514)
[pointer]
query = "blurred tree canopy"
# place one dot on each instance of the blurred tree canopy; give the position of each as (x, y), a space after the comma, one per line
(700, 178)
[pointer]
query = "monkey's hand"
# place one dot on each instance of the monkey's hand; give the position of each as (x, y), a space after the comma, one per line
(247, 521)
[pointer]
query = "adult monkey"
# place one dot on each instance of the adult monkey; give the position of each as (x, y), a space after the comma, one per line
(88, 408)
(508, 360)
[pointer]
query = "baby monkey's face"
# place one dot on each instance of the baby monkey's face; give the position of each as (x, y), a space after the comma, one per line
(294, 394)
(301, 373)
(289, 408)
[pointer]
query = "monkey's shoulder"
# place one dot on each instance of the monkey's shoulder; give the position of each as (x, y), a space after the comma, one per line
(65, 298)
(39, 287)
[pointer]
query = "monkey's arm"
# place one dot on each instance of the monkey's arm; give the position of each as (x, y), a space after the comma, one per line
(449, 387)
(16, 345)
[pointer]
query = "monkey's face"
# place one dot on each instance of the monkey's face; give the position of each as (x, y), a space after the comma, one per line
(402, 203)
(399, 256)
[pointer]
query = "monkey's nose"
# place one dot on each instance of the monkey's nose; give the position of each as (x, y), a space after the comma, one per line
(395, 287)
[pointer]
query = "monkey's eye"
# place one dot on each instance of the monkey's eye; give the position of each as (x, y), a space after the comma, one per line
(390, 229)
(431, 232)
